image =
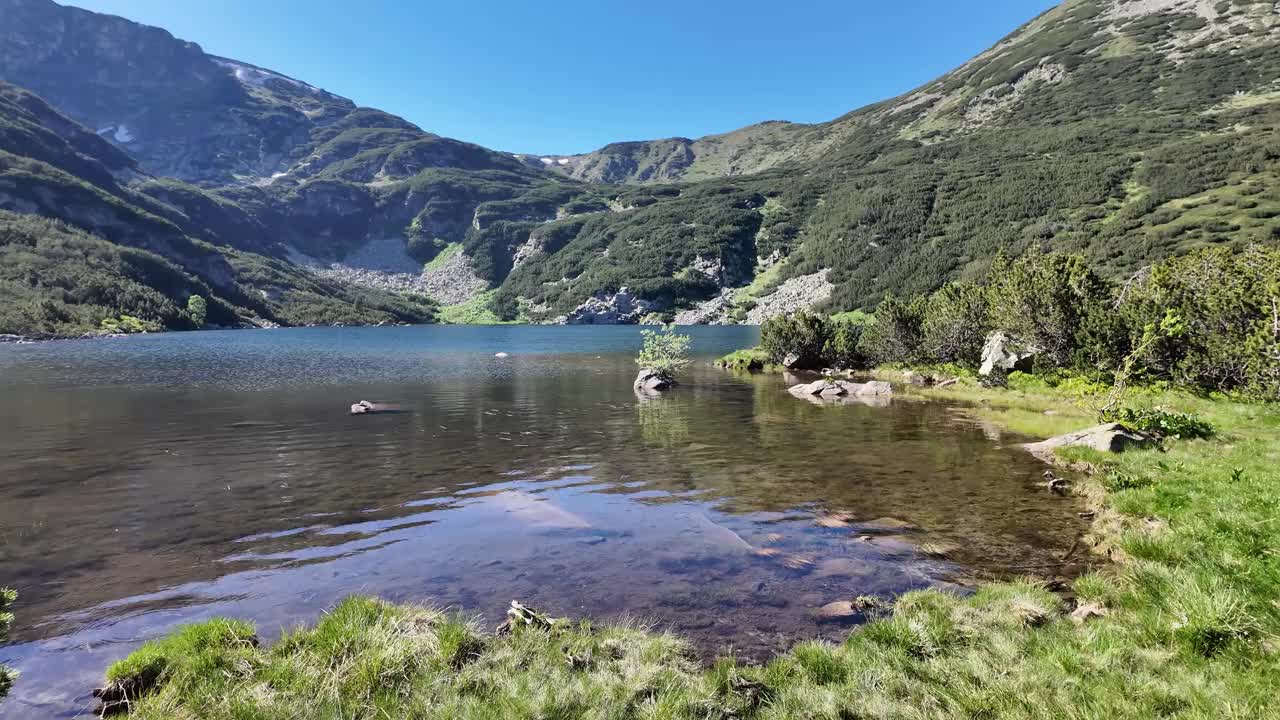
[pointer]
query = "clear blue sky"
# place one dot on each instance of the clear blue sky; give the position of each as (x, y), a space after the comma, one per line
(566, 76)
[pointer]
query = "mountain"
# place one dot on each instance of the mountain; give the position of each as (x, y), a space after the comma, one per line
(1128, 130)
(1071, 42)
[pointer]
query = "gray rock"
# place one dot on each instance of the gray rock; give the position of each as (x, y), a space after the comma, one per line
(838, 609)
(794, 295)
(1109, 437)
(790, 361)
(875, 387)
(1004, 353)
(620, 308)
(649, 381)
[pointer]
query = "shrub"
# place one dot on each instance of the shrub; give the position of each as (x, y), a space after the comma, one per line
(842, 348)
(198, 309)
(816, 341)
(1229, 303)
(955, 325)
(130, 324)
(7, 676)
(1046, 298)
(897, 334)
(665, 353)
(1161, 423)
(803, 334)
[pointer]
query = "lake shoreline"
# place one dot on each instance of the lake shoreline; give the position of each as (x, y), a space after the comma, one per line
(953, 654)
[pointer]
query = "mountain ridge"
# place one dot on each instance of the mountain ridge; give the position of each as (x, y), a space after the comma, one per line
(1127, 131)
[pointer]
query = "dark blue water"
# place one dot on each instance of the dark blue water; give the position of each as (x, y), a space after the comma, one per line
(150, 481)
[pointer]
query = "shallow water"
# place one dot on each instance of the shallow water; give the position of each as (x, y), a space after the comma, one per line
(149, 481)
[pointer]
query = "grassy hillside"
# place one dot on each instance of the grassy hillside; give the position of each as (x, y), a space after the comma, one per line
(1129, 131)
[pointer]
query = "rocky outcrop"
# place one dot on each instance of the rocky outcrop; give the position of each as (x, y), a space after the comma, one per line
(794, 295)
(1110, 437)
(453, 280)
(709, 312)
(620, 308)
(1004, 353)
(384, 264)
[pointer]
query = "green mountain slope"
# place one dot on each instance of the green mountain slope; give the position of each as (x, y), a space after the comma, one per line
(116, 250)
(1129, 130)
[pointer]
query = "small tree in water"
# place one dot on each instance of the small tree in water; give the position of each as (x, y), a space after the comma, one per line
(665, 353)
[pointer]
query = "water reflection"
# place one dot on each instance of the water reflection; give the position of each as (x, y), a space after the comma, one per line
(728, 510)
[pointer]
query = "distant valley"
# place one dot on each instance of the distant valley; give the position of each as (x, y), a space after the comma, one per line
(138, 171)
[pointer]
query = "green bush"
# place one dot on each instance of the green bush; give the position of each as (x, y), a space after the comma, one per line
(898, 333)
(129, 324)
(804, 335)
(1046, 299)
(1161, 423)
(665, 353)
(843, 347)
(7, 676)
(1229, 303)
(955, 324)
(198, 309)
(816, 341)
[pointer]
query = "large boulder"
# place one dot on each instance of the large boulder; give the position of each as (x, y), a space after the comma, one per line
(650, 381)
(1110, 437)
(1004, 352)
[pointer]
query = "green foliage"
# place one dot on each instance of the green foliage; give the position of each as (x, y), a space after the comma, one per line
(666, 353)
(1207, 321)
(1046, 299)
(198, 309)
(804, 335)
(956, 323)
(843, 349)
(7, 676)
(1227, 302)
(815, 341)
(58, 281)
(749, 359)
(1161, 423)
(898, 333)
(129, 324)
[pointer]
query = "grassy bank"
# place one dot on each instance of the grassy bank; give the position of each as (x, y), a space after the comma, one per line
(1184, 623)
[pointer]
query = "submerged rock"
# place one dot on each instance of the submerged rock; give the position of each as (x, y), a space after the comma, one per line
(888, 525)
(841, 388)
(838, 609)
(1109, 437)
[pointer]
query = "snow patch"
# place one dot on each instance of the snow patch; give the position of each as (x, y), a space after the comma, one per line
(249, 75)
(123, 135)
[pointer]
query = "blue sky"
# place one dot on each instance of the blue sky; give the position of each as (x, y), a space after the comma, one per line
(566, 76)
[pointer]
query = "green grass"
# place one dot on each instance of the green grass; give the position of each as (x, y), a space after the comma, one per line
(748, 359)
(439, 260)
(472, 312)
(1184, 624)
